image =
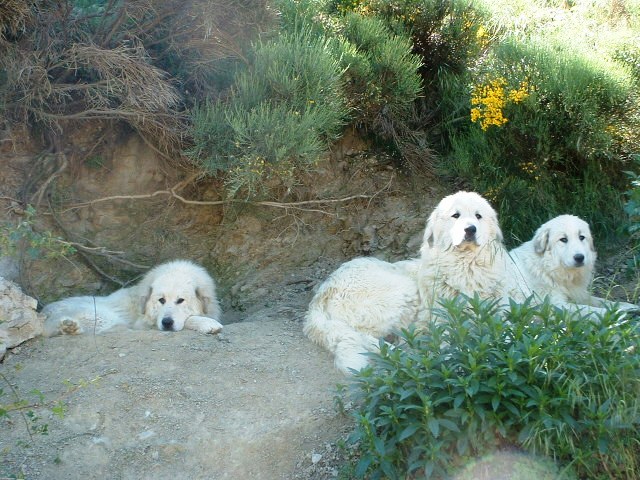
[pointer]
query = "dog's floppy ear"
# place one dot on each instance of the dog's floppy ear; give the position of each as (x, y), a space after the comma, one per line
(541, 240)
(210, 307)
(144, 299)
(591, 244)
(428, 237)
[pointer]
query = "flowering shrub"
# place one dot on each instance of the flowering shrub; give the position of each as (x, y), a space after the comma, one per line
(489, 101)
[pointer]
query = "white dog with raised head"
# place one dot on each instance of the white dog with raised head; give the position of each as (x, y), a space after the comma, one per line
(362, 301)
(366, 299)
(558, 262)
(171, 296)
(462, 253)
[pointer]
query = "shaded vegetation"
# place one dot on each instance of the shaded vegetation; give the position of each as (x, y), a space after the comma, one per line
(534, 378)
(67, 62)
(429, 81)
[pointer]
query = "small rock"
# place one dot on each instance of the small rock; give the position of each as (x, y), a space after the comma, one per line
(315, 458)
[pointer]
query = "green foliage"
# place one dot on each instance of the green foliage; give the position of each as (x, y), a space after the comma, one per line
(559, 149)
(36, 244)
(381, 71)
(632, 209)
(446, 36)
(632, 205)
(534, 377)
(300, 90)
(280, 117)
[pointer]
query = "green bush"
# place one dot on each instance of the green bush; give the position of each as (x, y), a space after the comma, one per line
(632, 205)
(280, 116)
(23, 236)
(544, 137)
(537, 378)
(300, 89)
(632, 209)
(447, 35)
(446, 38)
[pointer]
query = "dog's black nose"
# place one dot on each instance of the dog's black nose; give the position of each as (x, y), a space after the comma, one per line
(167, 323)
(578, 258)
(470, 230)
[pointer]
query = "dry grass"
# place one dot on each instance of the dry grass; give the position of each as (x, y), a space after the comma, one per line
(14, 16)
(141, 62)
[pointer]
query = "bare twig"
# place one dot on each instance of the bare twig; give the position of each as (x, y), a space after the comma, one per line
(41, 190)
(173, 193)
(101, 251)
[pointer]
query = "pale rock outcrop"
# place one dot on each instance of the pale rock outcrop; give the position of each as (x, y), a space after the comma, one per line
(19, 320)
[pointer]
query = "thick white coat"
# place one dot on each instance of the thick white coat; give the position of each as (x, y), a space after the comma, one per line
(559, 262)
(172, 296)
(361, 302)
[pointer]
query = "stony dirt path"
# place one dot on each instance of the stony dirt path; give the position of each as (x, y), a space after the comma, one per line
(256, 402)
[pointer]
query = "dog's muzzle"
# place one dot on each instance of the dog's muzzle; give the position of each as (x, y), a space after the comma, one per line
(470, 233)
(578, 259)
(167, 323)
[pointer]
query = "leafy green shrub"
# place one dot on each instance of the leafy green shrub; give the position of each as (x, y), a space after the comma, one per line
(301, 88)
(279, 118)
(381, 71)
(446, 37)
(24, 236)
(632, 205)
(632, 209)
(556, 149)
(383, 84)
(540, 379)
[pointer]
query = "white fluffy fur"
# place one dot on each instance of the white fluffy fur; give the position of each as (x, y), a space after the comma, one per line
(362, 301)
(462, 253)
(171, 296)
(366, 299)
(559, 263)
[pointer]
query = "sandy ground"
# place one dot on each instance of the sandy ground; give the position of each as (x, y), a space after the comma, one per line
(255, 402)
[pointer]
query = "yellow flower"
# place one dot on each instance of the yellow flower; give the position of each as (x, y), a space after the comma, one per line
(488, 101)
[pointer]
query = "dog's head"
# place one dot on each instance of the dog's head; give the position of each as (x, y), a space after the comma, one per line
(462, 220)
(169, 302)
(567, 240)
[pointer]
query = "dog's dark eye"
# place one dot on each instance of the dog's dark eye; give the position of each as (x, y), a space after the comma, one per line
(478, 216)
(564, 240)
(179, 301)
(162, 301)
(456, 215)
(581, 237)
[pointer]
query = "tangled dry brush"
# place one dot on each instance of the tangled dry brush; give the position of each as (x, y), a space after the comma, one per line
(141, 62)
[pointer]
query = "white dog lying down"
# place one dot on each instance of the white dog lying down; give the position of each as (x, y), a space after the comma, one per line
(559, 263)
(367, 299)
(363, 300)
(171, 296)
(462, 253)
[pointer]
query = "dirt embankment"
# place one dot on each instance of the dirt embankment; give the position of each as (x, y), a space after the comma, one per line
(256, 401)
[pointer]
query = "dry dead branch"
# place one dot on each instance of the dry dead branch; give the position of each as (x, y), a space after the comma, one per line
(141, 62)
(14, 16)
(172, 193)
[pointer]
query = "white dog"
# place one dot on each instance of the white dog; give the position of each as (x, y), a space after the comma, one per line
(462, 253)
(366, 299)
(559, 263)
(171, 296)
(362, 301)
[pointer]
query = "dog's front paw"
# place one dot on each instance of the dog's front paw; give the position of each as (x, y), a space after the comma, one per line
(203, 324)
(69, 326)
